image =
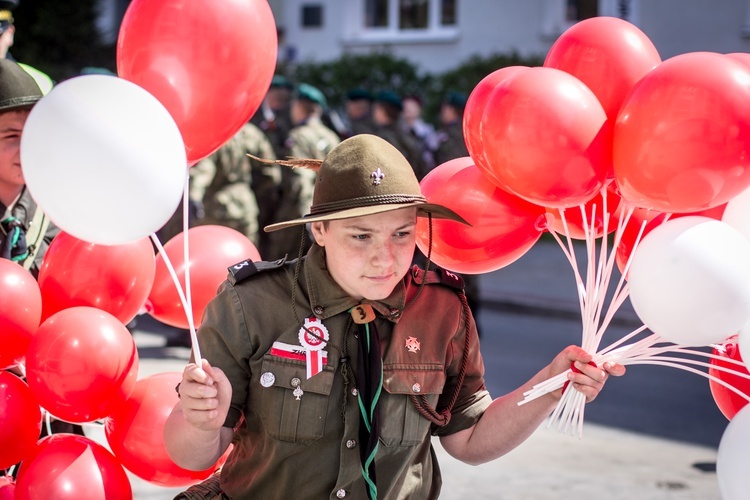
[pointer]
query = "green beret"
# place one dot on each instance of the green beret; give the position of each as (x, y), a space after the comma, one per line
(389, 97)
(18, 89)
(310, 93)
(96, 70)
(455, 99)
(359, 94)
(280, 81)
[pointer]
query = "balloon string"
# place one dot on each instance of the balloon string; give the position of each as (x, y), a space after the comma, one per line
(183, 300)
(186, 259)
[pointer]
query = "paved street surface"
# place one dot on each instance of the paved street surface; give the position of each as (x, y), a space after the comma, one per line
(637, 444)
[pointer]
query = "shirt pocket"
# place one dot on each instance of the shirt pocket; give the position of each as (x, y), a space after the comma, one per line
(400, 422)
(289, 416)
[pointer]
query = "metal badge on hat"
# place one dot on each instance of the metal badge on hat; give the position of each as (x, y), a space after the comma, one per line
(313, 336)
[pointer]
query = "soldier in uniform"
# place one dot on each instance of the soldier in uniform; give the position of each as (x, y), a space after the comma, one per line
(451, 135)
(359, 112)
(273, 115)
(331, 373)
(25, 231)
(309, 138)
(387, 115)
(222, 183)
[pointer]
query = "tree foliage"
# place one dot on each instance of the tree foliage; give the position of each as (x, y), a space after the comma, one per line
(60, 37)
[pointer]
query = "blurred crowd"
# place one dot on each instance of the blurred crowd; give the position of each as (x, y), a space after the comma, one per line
(239, 186)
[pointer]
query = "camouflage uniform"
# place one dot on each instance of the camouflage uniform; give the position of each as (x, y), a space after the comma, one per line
(311, 139)
(222, 182)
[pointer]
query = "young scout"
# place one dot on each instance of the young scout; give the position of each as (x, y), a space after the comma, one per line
(330, 374)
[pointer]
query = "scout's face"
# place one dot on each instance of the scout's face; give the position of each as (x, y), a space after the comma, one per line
(11, 125)
(368, 256)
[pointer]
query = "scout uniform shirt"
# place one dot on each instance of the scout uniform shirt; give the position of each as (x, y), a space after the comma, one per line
(299, 436)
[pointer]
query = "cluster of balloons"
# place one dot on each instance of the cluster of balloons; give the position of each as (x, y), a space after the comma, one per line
(107, 159)
(605, 138)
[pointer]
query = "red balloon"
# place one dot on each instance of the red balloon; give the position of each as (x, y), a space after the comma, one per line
(212, 249)
(609, 55)
(72, 467)
(629, 238)
(546, 138)
(504, 227)
(209, 63)
(727, 400)
(20, 312)
(114, 278)
(20, 420)
(682, 138)
(7, 488)
(134, 433)
(474, 109)
(574, 217)
(81, 363)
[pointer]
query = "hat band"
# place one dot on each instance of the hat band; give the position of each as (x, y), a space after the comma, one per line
(366, 201)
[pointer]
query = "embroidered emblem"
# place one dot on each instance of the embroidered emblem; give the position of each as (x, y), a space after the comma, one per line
(377, 176)
(412, 344)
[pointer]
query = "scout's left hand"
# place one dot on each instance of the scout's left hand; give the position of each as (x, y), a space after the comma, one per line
(588, 379)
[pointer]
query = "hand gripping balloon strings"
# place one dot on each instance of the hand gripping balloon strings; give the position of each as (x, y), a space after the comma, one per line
(648, 350)
(185, 298)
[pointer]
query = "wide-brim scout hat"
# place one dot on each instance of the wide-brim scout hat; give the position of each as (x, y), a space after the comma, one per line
(18, 89)
(365, 175)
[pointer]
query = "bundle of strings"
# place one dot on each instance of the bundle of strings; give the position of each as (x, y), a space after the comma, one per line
(369, 387)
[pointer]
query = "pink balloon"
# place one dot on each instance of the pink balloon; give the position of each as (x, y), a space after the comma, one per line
(208, 62)
(609, 55)
(474, 109)
(20, 311)
(503, 226)
(546, 138)
(113, 278)
(72, 467)
(134, 432)
(20, 420)
(81, 363)
(682, 138)
(212, 249)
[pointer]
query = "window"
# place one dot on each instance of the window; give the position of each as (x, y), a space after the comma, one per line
(408, 15)
(578, 10)
(312, 16)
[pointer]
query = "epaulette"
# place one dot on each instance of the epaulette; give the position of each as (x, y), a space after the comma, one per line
(243, 270)
(441, 276)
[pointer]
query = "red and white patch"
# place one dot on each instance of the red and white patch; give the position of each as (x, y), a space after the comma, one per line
(313, 336)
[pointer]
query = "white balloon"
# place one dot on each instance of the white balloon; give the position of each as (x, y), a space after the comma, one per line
(733, 459)
(104, 159)
(690, 281)
(737, 213)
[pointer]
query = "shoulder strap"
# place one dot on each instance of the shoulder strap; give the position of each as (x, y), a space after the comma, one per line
(34, 235)
(247, 268)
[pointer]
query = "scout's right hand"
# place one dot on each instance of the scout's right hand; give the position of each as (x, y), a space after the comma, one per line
(205, 395)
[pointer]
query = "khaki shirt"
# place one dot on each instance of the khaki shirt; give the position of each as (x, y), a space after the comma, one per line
(303, 447)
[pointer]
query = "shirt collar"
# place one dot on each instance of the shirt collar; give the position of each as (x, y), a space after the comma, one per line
(328, 299)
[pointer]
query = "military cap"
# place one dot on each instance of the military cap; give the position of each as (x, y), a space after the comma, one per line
(389, 97)
(455, 99)
(359, 94)
(365, 175)
(280, 81)
(96, 70)
(310, 93)
(18, 89)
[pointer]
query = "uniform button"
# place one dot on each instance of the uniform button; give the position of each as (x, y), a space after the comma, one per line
(295, 382)
(416, 388)
(267, 379)
(355, 392)
(341, 493)
(318, 310)
(351, 444)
